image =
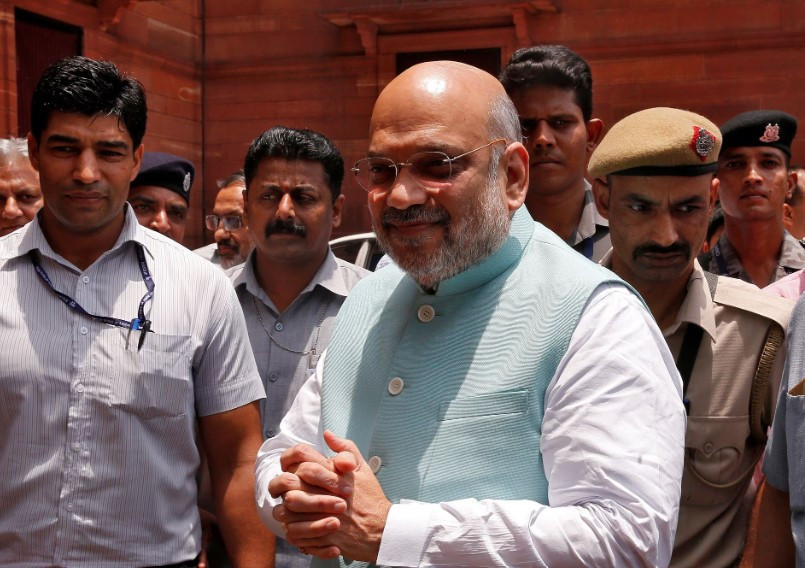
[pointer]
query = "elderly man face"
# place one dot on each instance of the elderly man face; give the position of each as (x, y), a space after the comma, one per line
(20, 196)
(437, 218)
(794, 207)
(234, 245)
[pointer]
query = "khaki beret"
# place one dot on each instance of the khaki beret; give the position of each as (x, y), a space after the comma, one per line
(658, 142)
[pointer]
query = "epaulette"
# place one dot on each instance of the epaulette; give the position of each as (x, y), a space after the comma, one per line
(749, 298)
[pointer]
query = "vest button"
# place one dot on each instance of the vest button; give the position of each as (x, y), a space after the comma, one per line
(425, 313)
(396, 386)
(374, 463)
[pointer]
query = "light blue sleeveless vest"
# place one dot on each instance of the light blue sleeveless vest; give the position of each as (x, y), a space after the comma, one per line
(453, 404)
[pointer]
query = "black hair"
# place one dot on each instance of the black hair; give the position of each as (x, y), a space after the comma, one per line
(86, 86)
(551, 66)
(293, 144)
(237, 176)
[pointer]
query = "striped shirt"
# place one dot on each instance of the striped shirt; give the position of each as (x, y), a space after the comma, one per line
(97, 439)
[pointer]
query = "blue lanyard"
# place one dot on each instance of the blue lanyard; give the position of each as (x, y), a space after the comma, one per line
(588, 248)
(722, 266)
(140, 323)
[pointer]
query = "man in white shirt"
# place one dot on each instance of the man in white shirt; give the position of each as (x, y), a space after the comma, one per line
(492, 399)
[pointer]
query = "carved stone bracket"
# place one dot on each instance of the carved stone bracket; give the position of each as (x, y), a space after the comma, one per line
(367, 29)
(110, 12)
(412, 16)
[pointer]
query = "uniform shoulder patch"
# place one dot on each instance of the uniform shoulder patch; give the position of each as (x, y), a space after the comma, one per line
(744, 296)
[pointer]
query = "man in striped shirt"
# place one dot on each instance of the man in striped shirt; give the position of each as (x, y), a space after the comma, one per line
(115, 340)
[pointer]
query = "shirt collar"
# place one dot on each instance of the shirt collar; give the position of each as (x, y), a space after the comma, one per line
(522, 228)
(792, 253)
(31, 237)
(696, 308)
(590, 219)
(328, 276)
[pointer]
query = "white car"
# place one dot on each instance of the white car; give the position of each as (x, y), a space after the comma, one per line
(361, 249)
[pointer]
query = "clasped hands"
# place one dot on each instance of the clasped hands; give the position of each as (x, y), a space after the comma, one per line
(330, 506)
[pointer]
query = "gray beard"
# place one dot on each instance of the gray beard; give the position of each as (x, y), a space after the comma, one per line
(227, 263)
(468, 241)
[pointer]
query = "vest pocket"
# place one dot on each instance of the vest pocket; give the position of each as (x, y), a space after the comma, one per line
(491, 404)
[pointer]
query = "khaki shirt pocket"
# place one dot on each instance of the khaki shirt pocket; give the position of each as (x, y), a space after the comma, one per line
(719, 461)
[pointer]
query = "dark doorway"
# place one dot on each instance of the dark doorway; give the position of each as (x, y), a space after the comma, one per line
(487, 59)
(40, 41)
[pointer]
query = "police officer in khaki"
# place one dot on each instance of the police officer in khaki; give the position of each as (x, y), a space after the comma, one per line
(754, 184)
(654, 182)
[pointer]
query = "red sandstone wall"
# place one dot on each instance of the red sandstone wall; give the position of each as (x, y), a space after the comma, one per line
(715, 57)
(267, 62)
(275, 62)
(159, 42)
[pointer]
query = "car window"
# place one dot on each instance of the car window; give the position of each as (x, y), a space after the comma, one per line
(375, 256)
(347, 251)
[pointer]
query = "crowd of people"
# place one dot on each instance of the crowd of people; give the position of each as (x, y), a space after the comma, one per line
(567, 358)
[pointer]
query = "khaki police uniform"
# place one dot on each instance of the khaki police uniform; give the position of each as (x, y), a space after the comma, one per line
(721, 448)
(792, 258)
(727, 341)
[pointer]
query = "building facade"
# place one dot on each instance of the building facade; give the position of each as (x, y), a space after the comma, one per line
(219, 72)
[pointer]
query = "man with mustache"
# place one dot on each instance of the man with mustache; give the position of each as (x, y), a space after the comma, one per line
(552, 88)
(476, 405)
(754, 183)
(655, 184)
(292, 286)
(233, 241)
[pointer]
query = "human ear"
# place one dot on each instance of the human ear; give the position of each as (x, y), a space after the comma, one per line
(601, 191)
(515, 160)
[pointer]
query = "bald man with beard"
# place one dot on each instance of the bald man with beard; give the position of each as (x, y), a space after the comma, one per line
(476, 405)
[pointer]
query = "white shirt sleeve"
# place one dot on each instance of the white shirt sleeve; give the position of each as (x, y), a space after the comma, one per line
(612, 446)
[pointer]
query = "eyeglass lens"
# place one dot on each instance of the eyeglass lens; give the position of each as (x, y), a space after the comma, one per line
(231, 222)
(427, 168)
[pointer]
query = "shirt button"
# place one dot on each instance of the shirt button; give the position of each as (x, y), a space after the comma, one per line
(278, 326)
(374, 463)
(83, 330)
(269, 433)
(708, 448)
(76, 447)
(396, 386)
(79, 387)
(85, 279)
(69, 506)
(425, 313)
(272, 377)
